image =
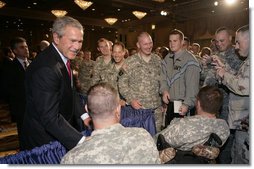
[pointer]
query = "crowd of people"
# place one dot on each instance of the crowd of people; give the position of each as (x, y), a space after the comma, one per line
(211, 84)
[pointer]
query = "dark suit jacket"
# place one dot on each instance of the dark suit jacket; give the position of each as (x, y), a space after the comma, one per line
(52, 106)
(14, 90)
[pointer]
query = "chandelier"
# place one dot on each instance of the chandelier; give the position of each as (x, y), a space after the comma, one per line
(111, 21)
(59, 13)
(2, 4)
(139, 14)
(83, 4)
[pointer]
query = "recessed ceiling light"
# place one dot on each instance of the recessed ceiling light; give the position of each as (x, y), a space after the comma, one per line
(118, 9)
(93, 9)
(34, 3)
(28, 7)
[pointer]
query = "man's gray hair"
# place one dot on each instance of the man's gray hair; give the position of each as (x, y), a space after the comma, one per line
(61, 22)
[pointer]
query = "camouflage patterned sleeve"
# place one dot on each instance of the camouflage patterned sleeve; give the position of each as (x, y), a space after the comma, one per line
(123, 84)
(210, 78)
(239, 83)
(163, 76)
(96, 73)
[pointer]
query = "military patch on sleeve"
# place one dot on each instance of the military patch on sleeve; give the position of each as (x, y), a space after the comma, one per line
(241, 88)
(121, 72)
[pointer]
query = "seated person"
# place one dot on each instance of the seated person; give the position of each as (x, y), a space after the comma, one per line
(110, 142)
(185, 133)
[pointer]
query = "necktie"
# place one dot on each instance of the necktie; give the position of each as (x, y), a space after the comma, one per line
(25, 65)
(68, 64)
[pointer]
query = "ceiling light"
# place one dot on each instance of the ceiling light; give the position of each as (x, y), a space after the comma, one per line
(139, 14)
(2, 4)
(216, 3)
(83, 4)
(230, 2)
(164, 13)
(59, 13)
(160, 1)
(153, 26)
(111, 21)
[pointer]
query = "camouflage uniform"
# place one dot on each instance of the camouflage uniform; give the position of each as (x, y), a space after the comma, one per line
(85, 75)
(101, 71)
(141, 82)
(75, 63)
(232, 59)
(240, 151)
(184, 133)
(112, 74)
(239, 85)
(115, 145)
(239, 108)
(180, 77)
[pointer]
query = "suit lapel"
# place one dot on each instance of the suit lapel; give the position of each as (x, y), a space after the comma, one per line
(19, 65)
(61, 66)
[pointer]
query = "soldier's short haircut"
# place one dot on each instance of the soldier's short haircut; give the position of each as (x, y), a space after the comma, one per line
(196, 44)
(60, 24)
(142, 34)
(103, 99)
(15, 41)
(177, 32)
(210, 99)
(244, 28)
(119, 44)
(102, 40)
(220, 29)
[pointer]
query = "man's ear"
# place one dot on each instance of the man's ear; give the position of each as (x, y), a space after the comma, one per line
(118, 112)
(230, 38)
(198, 107)
(56, 38)
(137, 44)
(86, 108)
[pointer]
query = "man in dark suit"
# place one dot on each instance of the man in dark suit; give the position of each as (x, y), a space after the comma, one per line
(14, 79)
(53, 108)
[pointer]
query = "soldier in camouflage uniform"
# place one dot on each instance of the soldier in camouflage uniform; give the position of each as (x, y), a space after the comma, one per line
(104, 63)
(86, 72)
(139, 85)
(110, 142)
(184, 133)
(228, 56)
(75, 63)
(118, 52)
(238, 82)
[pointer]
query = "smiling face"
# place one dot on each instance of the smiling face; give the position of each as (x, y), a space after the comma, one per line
(145, 44)
(104, 47)
(118, 53)
(70, 42)
(223, 40)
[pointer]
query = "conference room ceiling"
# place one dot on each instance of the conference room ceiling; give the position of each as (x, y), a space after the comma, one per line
(38, 12)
